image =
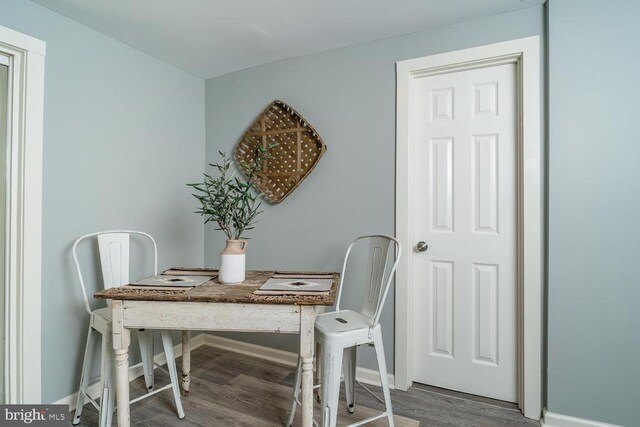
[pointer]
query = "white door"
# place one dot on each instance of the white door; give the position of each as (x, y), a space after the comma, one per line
(464, 209)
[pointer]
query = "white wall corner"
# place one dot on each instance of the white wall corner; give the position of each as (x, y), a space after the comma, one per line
(551, 419)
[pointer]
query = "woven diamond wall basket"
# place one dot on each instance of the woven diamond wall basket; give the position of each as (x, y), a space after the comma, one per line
(298, 151)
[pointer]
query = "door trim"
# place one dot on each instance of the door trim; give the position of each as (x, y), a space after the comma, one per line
(24, 216)
(525, 53)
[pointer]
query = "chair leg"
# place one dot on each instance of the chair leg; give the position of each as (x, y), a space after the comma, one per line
(317, 373)
(384, 378)
(331, 367)
(87, 364)
(167, 344)
(104, 407)
(111, 396)
(145, 341)
(349, 369)
(106, 362)
(296, 392)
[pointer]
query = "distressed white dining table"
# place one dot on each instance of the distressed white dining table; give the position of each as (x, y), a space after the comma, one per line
(213, 307)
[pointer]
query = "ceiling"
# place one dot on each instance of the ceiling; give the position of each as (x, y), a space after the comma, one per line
(209, 38)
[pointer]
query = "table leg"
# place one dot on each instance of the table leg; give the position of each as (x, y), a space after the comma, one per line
(121, 342)
(307, 321)
(186, 362)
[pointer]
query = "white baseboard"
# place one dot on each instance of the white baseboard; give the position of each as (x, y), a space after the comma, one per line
(135, 371)
(366, 376)
(372, 377)
(254, 350)
(551, 419)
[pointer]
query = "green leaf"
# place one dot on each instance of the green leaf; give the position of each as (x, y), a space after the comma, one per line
(228, 201)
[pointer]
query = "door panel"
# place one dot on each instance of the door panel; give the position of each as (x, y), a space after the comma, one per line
(485, 314)
(442, 309)
(442, 169)
(485, 183)
(464, 133)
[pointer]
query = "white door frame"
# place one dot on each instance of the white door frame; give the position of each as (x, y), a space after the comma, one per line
(525, 54)
(24, 216)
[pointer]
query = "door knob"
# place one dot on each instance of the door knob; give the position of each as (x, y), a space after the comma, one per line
(422, 246)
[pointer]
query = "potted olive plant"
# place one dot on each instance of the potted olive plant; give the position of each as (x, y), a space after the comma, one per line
(233, 204)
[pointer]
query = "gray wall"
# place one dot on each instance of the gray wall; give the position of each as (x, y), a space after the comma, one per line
(594, 210)
(123, 132)
(348, 94)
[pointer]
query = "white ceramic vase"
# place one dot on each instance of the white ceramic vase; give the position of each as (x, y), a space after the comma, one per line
(232, 262)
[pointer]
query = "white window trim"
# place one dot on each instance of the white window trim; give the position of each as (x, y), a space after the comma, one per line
(24, 221)
(525, 54)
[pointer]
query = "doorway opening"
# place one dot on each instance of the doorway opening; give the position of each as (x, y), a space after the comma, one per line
(21, 171)
(522, 56)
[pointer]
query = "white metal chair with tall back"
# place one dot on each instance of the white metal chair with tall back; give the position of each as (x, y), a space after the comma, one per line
(340, 332)
(114, 259)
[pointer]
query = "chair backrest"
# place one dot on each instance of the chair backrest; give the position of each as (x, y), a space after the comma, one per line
(114, 259)
(113, 246)
(376, 286)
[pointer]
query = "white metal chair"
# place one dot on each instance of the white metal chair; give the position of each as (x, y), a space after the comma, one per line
(339, 333)
(114, 259)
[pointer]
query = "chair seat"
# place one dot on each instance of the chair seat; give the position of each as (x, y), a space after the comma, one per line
(342, 322)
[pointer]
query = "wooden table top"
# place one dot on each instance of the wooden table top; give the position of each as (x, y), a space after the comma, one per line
(214, 291)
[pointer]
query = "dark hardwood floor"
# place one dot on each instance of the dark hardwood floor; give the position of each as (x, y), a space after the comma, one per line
(229, 389)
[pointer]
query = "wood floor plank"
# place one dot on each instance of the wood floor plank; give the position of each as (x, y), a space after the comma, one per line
(279, 396)
(229, 389)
